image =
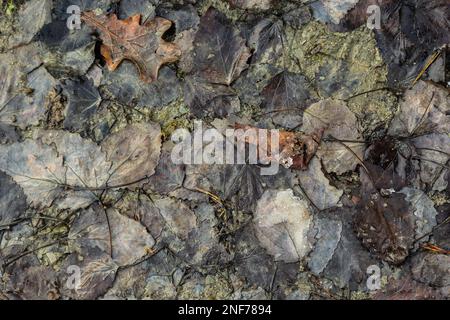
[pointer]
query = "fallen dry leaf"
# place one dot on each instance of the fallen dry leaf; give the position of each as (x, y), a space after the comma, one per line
(407, 289)
(91, 231)
(282, 221)
(296, 149)
(286, 96)
(335, 120)
(220, 51)
(386, 227)
(317, 188)
(134, 152)
(252, 4)
(129, 40)
(424, 108)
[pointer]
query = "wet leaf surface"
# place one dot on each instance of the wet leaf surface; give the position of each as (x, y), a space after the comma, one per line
(87, 178)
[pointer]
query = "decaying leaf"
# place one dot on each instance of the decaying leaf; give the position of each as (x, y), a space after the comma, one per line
(423, 118)
(296, 149)
(424, 109)
(432, 269)
(83, 166)
(389, 225)
(407, 288)
(253, 262)
(23, 95)
(201, 95)
(385, 226)
(282, 222)
(317, 187)
(134, 152)
(327, 234)
(83, 101)
(252, 4)
(141, 44)
(336, 122)
(12, 200)
(192, 233)
(134, 282)
(267, 40)
(97, 271)
(433, 153)
(27, 279)
(220, 51)
(125, 85)
(284, 95)
(179, 218)
(391, 217)
(348, 264)
(331, 10)
(32, 17)
(220, 55)
(64, 166)
(423, 210)
(90, 231)
(168, 176)
(34, 167)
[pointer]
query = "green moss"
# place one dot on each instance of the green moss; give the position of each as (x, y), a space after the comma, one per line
(10, 8)
(223, 6)
(172, 117)
(374, 110)
(314, 45)
(212, 287)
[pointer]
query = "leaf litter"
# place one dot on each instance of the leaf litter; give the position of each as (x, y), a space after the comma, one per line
(87, 178)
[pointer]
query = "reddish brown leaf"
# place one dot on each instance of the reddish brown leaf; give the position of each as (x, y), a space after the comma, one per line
(296, 148)
(129, 40)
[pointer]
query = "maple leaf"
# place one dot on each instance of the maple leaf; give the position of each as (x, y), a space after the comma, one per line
(129, 40)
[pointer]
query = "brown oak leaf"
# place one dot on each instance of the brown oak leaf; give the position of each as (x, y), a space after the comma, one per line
(129, 40)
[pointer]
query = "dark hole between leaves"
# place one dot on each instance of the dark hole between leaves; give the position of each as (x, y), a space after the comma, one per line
(98, 55)
(170, 34)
